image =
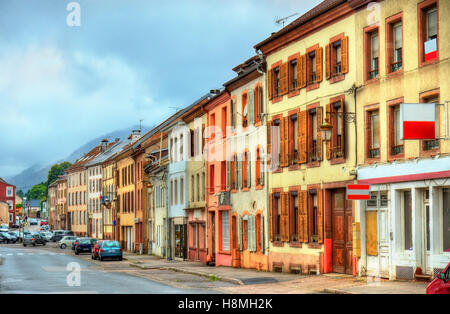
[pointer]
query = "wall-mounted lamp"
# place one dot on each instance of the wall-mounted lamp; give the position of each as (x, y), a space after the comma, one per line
(326, 129)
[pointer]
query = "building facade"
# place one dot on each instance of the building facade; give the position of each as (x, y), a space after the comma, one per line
(404, 227)
(61, 203)
(8, 195)
(310, 74)
(52, 203)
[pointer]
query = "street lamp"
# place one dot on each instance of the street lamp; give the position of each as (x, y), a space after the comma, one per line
(326, 129)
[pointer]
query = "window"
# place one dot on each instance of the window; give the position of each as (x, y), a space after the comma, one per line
(176, 191)
(232, 113)
(428, 31)
(313, 145)
(244, 170)
(225, 230)
(171, 193)
(397, 42)
(181, 190)
(276, 135)
(9, 191)
(314, 221)
(277, 82)
(337, 133)
(198, 187)
(395, 138)
(373, 55)
(276, 216)
(432, 145)
(212, 125)
(293, 142)
(258, 103)
(233, 172)
(211, 179)
(192, 188)
(245, 233)
(373, 133)
(293, 215)
(223, 176)
(244, 110)
(407, 220)
(224, 122)
(293, 75)
(336, 56)
(258, 179)
(203, 186)
(312, 68)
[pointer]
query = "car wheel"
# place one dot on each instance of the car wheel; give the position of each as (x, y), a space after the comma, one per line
(120, 258)
(43, 243)
(24, 244)
(34, 244)
(101, 258)
(63, 246)
(76, 253)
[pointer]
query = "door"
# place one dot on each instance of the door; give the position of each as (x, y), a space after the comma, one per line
(341, 212)
(384, 242)
(213, 236)
(425, 255)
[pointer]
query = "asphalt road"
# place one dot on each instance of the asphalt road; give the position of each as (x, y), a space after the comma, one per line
(36, 270)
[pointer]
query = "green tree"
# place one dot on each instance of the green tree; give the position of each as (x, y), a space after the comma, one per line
(20, 193)
(57, 170)
(38, 192)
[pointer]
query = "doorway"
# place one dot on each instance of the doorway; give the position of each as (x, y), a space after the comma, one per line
(341, 220)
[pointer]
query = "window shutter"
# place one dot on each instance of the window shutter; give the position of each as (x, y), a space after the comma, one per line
(269, 84)
(284, 78)
(328, 61)
(251, 106)
(232, 113)
(249, 170)
(304, 71)
(236, 172)
(319, 134)
(253, 233)
(261, 167)
(320, 215)
(239, 164)
(284, 218)
(261, 101)
(271, 217)
(344, 54)
(302, 143)
(286, 141)
(262, 233)
(282, 152)
(228, 175)
(269, 143)
(303, 216)
(239, 235)
(342, 151)
(328, 142)
(319, 64)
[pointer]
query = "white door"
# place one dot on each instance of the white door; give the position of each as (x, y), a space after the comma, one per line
(425, 254)
(383, 242)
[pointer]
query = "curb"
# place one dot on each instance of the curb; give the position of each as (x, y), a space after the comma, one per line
(190, 272)
(336, 291)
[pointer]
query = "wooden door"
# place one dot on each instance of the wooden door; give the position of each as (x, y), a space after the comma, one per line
(341, 212)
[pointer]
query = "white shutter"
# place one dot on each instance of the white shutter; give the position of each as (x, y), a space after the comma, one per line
(251, 104)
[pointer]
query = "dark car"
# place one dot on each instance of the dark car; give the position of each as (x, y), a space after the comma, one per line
(110, 249)
(14, 235)
(5, 237)
(95, 249)
(440, 284)
(84, 245)
(33, 239)
(59, 234)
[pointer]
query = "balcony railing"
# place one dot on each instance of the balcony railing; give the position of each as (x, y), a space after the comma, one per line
(397, 150)
(312, 156)
(337, 69)
(396, 66)
(374, 153)
(224, 198)
(294, 85)
(312, 78)
(293, 158)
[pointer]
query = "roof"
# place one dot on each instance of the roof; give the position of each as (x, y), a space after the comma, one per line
(3, 181)
(246, 68)
(319, 9)
(109, 153)
(81, 162)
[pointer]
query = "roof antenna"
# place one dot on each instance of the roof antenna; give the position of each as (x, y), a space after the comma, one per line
(283, 20)
(140, 124)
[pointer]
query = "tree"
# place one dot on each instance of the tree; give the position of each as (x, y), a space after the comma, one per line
(38, 192)
(57, 170)
(20, 193)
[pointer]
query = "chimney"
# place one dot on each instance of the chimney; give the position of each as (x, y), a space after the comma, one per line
(135, 135)
(104, 144)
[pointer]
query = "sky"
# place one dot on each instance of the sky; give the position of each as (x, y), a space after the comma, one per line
(61, 85)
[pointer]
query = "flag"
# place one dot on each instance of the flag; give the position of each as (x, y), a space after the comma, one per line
(430, 49)
(358, 192)
(418, 121)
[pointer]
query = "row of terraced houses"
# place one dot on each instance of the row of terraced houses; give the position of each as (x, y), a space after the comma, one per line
(246, 176)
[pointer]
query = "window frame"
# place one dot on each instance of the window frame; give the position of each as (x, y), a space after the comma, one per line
(391, 23)
(391, 107)
(368, 32)
(422, 32)
(368, 110)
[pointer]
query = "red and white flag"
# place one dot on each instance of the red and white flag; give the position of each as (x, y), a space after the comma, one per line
(418, 121)
(430, 49)
(358, 192)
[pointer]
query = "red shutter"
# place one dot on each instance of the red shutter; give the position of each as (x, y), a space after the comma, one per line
(328, 61)
(303, 71)
(284, 217)
(344, 54)
(302, 138)
(319, 64)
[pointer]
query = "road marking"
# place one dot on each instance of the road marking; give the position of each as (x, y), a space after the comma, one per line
(9, 254)
(30, 253)
(19, 253)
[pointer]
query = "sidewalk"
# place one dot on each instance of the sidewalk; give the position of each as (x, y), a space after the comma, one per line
(259, 282)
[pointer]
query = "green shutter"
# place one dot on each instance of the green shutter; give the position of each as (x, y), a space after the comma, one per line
(249, 170)
(239, 166)
(232, 113)
(251, 104)
(261, 167)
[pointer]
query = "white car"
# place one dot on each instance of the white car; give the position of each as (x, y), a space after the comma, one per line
(66, 241)
(47, 235)
(4, 228)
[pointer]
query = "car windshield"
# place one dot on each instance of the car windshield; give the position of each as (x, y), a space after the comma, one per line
(111, 244)
(84, 241)
(27, 235)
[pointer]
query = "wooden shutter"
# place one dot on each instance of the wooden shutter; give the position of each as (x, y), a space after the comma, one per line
(330, 121)
(251, 106)
(328, 61)
(281, 140)
(319, 64)
(249, 169)
(239, 233)
(302, 138)
(269, 84)
(228, 175)
(286, 141)
(342, 150)
(344, 54)
(271, 198)
(261, 167)
(301, 71)
(262, 233)
(284, 233)
(319, 134)
(320, 215)
(303, 217)
(236, 172)
(239, 172)
(284, 81)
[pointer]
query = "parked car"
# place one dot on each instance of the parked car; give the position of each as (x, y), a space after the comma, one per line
(75, 243)
(14, 235)
(43, 223)
(440, 284)
(110, 249)
(33, 239)
(66, 241)
(59, 234)
(84, 245)
(46, 235)
(95, 249)
(33, 221)
(4, 228)
(15, 225)
(8, 238)
(19, 234)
